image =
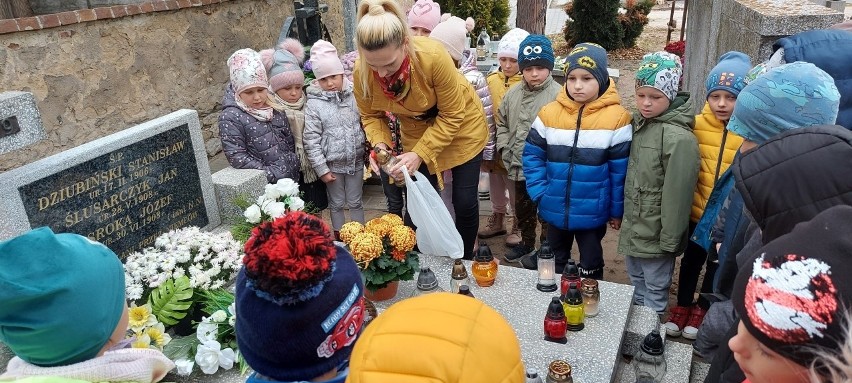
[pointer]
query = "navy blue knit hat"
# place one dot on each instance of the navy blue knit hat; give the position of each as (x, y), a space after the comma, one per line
(535, 50)
(729, 74)
(591, 57)
(299, 300)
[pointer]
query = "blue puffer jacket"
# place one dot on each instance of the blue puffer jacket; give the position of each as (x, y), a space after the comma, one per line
(831, 51)
(575, 160)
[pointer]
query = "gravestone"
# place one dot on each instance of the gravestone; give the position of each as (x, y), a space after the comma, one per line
(748, 26)
(123, 190)
(20, 121)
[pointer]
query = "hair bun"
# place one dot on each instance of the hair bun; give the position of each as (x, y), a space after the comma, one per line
(376, 9)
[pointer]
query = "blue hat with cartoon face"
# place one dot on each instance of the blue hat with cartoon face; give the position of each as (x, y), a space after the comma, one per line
(787, 97)
(535, 50)
(729, 74)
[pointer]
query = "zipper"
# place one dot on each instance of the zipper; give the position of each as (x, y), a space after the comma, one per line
(571, 165)
(721, 153)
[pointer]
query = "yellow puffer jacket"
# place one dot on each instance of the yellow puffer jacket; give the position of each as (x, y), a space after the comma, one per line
(498, 85)
(441, 337)
(711, 135)
(454, 136)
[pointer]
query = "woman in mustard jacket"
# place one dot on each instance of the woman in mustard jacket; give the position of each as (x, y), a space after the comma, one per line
(442, 119)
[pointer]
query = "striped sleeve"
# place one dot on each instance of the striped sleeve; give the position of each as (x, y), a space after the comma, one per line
(618, 152)
(535, 161)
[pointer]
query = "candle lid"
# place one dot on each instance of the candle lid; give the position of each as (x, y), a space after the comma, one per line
(573, 296)
(554, 309)
(559, 368)
(545, 251)
(426, 280)
(571, 270)
(459, 272)
(484, 253)
(589, 284)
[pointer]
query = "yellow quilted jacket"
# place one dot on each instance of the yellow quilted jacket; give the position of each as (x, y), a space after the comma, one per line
(715, 159)
(440, 337)
(498, 85)
(458, 132)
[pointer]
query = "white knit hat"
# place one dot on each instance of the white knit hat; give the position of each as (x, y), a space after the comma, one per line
(511, 42)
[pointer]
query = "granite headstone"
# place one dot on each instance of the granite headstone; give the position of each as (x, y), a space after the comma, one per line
(123, 190)
(20, 121)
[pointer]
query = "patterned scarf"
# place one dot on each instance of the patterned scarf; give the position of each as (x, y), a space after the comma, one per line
(396, 86)
(296, 118)
(263, 114)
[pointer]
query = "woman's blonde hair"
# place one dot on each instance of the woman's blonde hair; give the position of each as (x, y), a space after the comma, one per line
(381, 23)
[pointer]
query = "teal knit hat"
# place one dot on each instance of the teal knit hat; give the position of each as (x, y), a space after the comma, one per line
(61, 297)
(790, 96)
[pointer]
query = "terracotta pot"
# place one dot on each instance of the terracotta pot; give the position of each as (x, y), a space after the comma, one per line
(383, 293)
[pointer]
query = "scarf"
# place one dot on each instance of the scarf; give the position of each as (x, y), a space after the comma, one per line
(396, 86)
(296, 118)
(131, 365)
(262, 114)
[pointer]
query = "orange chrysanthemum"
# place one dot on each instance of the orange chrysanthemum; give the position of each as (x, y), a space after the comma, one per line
(378, 227)
(349, 231)
(366, 247)
(399, 255)
(403, 239)
(393, 219)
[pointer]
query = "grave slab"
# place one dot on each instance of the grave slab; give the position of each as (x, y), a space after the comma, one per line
(123, 190)
(231, 183)
(21, 107)
(592, 352)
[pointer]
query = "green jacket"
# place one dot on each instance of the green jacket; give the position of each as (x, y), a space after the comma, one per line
(514, 119)
(661, 175)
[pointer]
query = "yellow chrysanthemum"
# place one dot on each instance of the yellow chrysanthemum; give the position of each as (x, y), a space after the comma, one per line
(140, 317)
(349, 231)
(393, 219)
(365, 247)
(157, 335)
(403, 239)
(378, 227)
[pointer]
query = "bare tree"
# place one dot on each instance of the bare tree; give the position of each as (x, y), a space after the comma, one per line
(11, 9)
(531, 15)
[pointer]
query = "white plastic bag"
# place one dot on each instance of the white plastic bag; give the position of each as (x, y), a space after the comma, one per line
(436, 232)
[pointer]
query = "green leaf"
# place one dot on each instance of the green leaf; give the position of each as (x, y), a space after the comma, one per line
(215, 300)
(171, 300)
(181, 348)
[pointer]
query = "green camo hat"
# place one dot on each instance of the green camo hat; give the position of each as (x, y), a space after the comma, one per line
(61, 296)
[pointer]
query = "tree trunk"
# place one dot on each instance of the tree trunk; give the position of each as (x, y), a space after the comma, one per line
(11, 9)
(531, 15)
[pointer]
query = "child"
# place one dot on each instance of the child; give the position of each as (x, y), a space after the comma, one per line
(297, 326)
(458, 340)
(334, 140)
(253, 134)
(499, 83)
(792, 297)
(286, 80)
(423, 17)
(64, 315)
(516, 114)
(575, 160)
(717, 148)
(661, 176)
(451, 33)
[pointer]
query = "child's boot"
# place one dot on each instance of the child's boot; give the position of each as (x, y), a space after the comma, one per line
(495, 226)
(514, 238)
(677, 320)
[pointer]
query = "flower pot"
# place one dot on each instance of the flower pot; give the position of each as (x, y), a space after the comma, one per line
(383, 293)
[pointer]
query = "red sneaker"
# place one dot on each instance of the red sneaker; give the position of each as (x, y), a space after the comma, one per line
(677, 320)
(696, 316)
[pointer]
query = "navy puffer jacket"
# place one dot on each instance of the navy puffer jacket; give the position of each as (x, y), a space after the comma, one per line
(249, 143)
(831, 51)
